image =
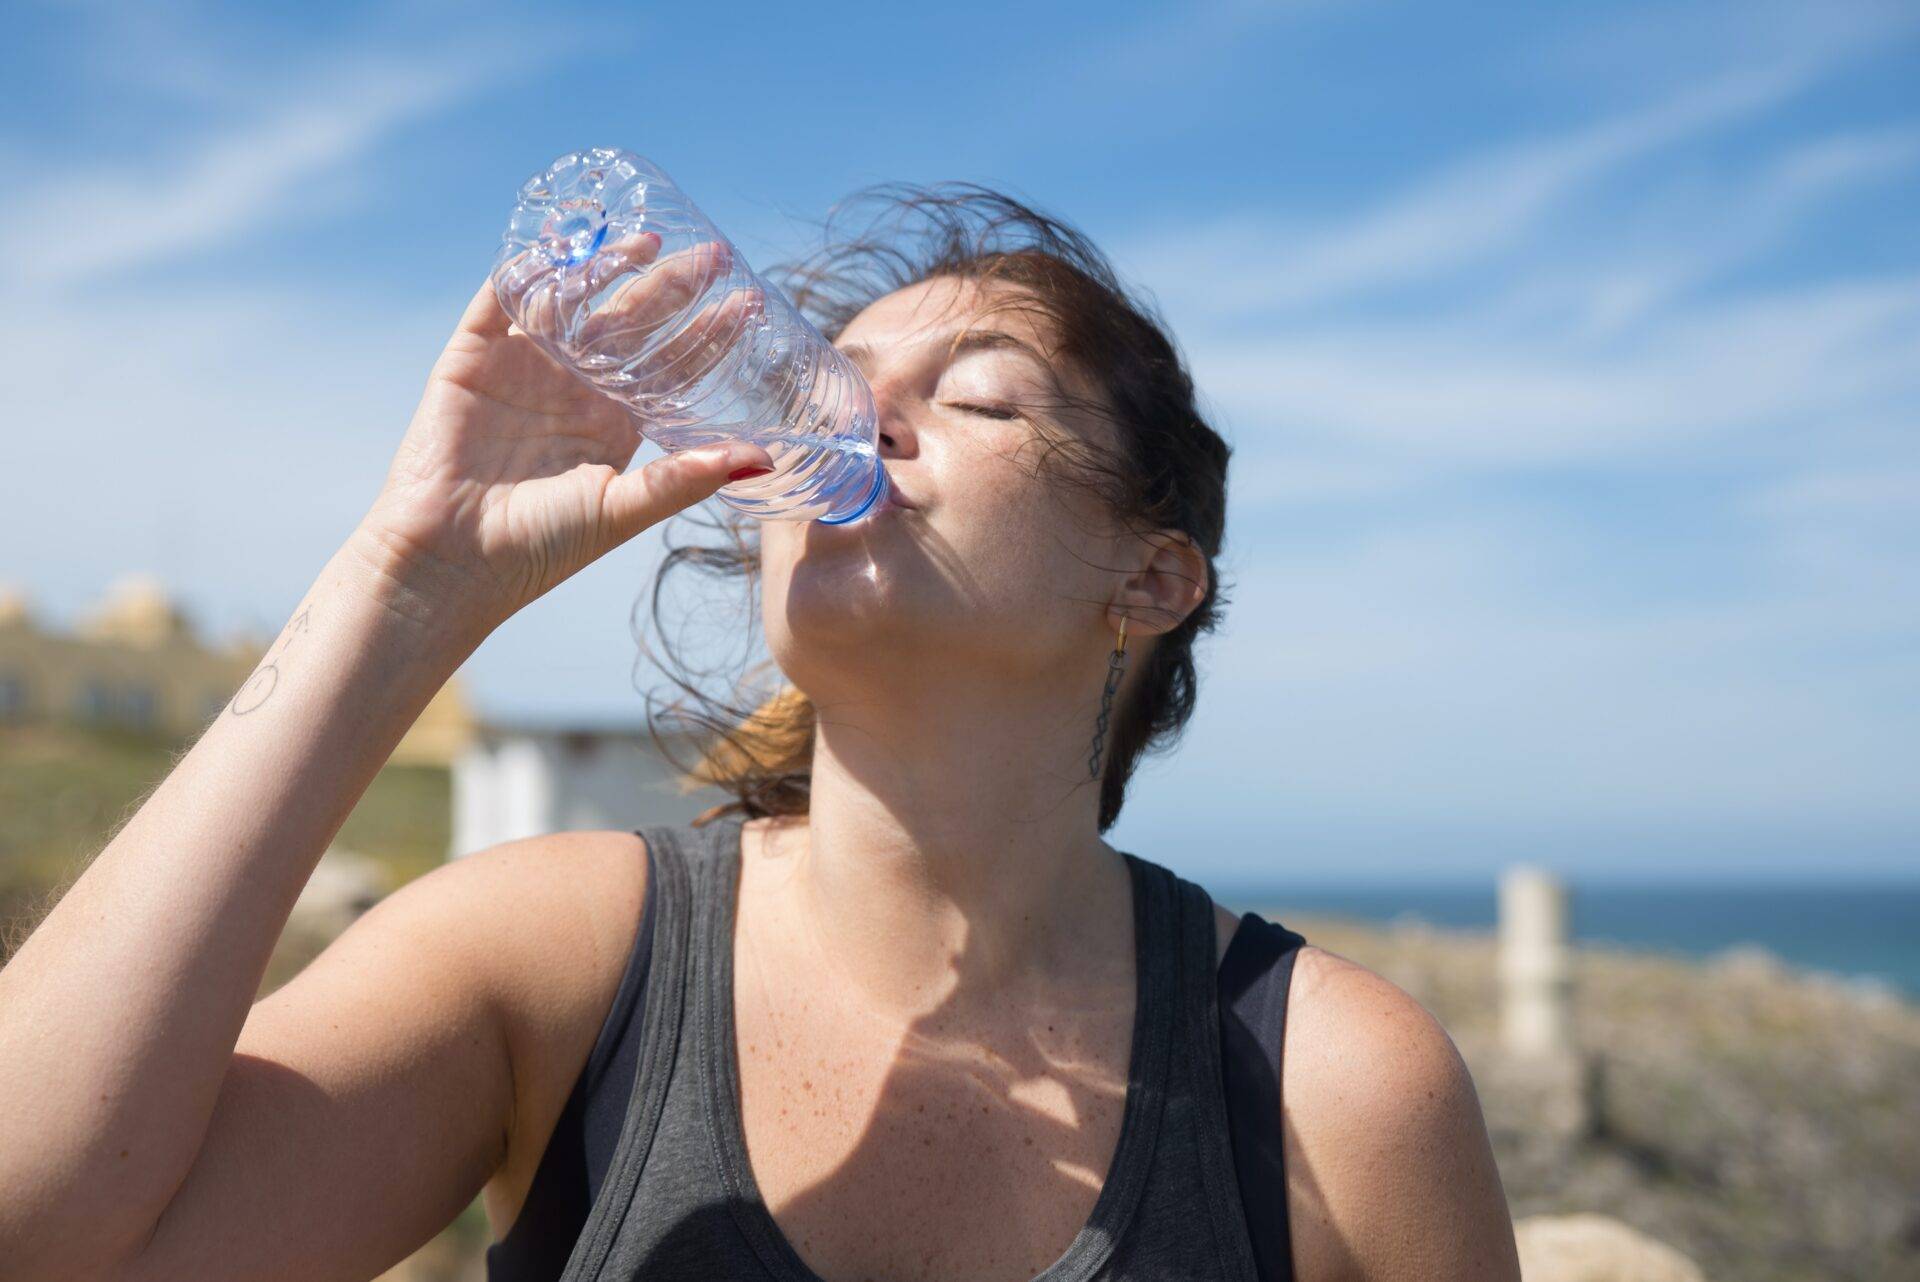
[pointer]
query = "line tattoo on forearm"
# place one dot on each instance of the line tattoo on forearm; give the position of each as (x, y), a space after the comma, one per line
(259, 687)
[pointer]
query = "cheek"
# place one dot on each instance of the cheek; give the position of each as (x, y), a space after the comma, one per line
(1012, 533)
(1024, 536)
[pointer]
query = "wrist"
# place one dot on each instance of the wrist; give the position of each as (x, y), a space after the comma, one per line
(440, 606)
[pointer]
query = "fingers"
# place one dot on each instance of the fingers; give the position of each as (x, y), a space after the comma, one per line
(484, 315)
(553, 306)
(533, 291)
(686, 356)
(540, 297)
(649, 495)
(643, 303)
(517, 277)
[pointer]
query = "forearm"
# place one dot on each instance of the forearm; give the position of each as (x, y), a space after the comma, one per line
(119, 1016)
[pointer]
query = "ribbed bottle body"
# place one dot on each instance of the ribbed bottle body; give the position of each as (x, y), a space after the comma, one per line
(620, 278)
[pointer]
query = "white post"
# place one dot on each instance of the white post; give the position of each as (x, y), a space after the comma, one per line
(1536, 977)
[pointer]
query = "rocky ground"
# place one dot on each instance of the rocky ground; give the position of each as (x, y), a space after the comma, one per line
(1765, 1122)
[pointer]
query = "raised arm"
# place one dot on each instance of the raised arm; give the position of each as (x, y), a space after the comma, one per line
(132, 1131)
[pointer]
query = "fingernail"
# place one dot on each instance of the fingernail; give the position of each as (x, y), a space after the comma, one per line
(741, 474)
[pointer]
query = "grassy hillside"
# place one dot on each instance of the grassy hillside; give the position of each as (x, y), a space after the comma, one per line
(64, 791)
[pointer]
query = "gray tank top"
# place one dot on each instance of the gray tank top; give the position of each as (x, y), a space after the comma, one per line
(679, 1198)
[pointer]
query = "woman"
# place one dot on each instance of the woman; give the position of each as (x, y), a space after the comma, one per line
(968, 1037)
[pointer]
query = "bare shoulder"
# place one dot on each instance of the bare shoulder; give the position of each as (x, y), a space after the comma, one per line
(535, 922)
(1351, 1030)
(1357, 1038)
(547, 905)
(1390, 1171)
(520, 925)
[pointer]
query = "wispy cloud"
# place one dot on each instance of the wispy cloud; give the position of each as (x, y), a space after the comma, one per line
(1564, 345)
(1693, 243)
(1421, 671)
(1177, 41)
(210, 124)
(120, 213)
(1459, 217)
(1475, 394)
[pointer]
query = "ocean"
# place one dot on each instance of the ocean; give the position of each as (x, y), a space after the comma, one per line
(1861, 931)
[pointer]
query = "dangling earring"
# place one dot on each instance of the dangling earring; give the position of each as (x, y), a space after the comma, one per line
(1116, 667)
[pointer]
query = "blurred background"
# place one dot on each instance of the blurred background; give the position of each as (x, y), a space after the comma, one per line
(1571, 357)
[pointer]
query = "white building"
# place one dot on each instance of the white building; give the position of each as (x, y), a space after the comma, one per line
(522, 780)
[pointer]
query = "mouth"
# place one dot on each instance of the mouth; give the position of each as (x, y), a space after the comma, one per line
(894, 499)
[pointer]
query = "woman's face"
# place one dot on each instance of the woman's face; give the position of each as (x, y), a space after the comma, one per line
(995, 569)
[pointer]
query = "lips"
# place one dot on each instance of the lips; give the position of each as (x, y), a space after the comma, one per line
(894, 498)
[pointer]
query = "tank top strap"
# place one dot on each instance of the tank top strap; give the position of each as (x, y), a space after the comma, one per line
(1253, 987)
(1150, 1071)
(672, 890)
(1198, 1059)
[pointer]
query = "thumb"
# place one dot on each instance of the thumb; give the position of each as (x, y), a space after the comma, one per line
(649, 495)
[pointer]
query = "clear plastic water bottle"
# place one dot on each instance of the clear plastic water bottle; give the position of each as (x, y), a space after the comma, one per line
(620, 278)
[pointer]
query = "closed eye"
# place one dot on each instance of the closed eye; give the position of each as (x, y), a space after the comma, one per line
(990, 411)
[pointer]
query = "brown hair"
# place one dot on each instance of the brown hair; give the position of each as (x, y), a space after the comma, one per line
(1164, 468)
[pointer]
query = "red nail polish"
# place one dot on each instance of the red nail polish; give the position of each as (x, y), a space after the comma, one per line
(742, 474)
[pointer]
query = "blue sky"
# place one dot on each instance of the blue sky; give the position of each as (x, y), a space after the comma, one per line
(1571, 356)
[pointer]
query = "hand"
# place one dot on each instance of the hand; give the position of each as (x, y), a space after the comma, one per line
(512, 475)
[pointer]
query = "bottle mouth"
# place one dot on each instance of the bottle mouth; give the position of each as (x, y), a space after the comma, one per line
(875, 493)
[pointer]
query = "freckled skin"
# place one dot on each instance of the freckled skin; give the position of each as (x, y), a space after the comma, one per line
(926, 1135)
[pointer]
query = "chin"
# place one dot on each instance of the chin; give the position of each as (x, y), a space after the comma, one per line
(836, 600)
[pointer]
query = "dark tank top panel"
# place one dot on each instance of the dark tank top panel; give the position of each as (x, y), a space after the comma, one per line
(646, 1175)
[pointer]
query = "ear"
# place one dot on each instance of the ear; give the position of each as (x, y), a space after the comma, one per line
(1168, 585)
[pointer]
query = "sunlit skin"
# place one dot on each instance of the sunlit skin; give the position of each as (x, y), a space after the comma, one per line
(955, 652)
(934, 969)
(950, 884)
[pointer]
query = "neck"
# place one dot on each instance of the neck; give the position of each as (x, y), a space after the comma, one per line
(953, 843)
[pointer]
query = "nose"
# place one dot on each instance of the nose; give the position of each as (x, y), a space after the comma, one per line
(894, 403)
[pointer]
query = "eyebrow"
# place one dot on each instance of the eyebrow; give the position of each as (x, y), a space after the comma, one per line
(973, 340)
